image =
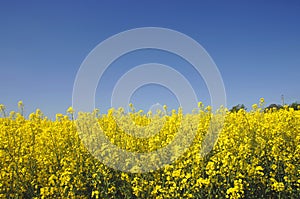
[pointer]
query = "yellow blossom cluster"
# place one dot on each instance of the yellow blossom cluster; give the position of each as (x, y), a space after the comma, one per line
(256, 154)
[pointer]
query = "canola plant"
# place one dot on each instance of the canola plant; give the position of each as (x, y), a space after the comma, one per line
(256, 154)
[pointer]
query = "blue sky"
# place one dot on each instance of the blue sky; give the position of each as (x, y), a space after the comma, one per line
(255, 44)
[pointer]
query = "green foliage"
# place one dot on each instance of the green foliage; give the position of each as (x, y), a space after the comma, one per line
(237, 108)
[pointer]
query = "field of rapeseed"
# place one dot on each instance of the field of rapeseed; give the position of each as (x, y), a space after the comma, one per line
(257, 155)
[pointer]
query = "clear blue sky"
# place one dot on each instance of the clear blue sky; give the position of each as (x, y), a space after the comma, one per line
(255, 44)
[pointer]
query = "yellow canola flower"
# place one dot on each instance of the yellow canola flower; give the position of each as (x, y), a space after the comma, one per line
(256, 152)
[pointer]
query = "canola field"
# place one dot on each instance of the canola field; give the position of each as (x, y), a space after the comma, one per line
(255, 155)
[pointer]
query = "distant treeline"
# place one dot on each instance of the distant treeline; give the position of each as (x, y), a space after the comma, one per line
(295, 106)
